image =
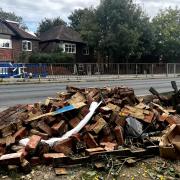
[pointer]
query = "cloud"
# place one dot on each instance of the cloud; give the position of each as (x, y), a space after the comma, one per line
(152, 7)
(33, 11)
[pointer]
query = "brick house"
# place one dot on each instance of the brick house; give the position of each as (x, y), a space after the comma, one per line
(68, 40)
(16, 42)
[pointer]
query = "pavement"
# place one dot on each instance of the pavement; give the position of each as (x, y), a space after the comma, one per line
(30, 93)
(83, 78)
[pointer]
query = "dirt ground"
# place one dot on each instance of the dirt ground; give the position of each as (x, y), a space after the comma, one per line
(154, 168)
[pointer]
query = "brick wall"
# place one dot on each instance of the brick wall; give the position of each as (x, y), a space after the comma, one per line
(6, 54)
(17, 49)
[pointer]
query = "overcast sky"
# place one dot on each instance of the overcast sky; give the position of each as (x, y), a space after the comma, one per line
(33, 11)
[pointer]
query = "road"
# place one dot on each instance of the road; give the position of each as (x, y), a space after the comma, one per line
(29, 93)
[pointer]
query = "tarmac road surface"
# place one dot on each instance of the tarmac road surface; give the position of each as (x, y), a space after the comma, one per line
(30, 93)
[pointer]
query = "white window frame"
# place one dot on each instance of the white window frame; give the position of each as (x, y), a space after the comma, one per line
(85, 51)
(69, 48)
(27, 47)
(4, 42)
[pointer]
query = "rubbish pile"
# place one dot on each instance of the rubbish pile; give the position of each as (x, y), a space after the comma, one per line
(85, 125)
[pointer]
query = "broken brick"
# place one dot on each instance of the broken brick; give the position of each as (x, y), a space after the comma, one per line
(119, 135)
(74, 122)
(60, 171)
(23, 151)
(97, 127)
(26, 166)
(34, 161)
(33, 144)
(58, 128)
(11, 159)
(45, 128)
(90, 141)
(172, 120)
(48, 157)
(84, 111)
(94, 150)
(42, 135)
(64, 146)
(20, 134)
(108, 146)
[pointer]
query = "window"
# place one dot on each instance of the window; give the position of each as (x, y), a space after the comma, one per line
(70, 48)
(86, 51)
(26, 45)
(6, 43)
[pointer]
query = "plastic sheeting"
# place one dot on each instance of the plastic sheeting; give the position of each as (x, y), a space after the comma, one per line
(134, 127)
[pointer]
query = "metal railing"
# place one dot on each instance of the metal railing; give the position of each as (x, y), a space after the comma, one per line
(106, 71)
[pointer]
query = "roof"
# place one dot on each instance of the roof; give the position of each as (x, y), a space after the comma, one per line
(12, 28)
(5, 30)
(61, 33)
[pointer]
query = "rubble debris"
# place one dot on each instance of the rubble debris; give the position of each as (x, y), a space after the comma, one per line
(85, 124)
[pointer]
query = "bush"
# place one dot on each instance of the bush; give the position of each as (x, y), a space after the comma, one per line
(51, 58)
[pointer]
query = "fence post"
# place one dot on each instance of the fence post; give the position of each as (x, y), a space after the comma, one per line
(118, 71)
(152, 70)
(52, 71)
(98, 70)
(174, 70)
(136, 70)
(167, 69)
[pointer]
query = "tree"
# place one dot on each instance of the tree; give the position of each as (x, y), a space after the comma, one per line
(48, 23)
(167, 30)
(121, 24)
(84, 21)
(12, 17)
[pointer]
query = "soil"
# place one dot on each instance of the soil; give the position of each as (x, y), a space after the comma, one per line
(154, 168)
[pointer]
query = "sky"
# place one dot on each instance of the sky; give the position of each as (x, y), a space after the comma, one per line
(33, 11)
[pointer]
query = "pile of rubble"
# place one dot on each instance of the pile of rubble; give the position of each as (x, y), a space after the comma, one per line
(84, 125)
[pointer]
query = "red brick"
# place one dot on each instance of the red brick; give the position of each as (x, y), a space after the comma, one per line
(64, 146)
(58, 128)
(84, 111)
(76, 137)
(42, 135)
(21, 133)
(90, 141)
(105, 110)
(48, 158)
(33, 143)
(108, 146)
(23, 151)
(60, 171)
(171, 119)
(106, 130)
(108, 138)
(34, 161)
(26, 166)
(2, 150)
(45, 128)
(94, 150)
(74, 122)
(119, 135)
(97, 127)
(11, 159)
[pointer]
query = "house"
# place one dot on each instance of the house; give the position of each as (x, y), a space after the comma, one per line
(16, 43)
(68, 40)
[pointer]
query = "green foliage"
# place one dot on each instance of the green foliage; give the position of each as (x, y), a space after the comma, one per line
(117, 29)
(122, 29)
(47, 23)
(12, 17)
(51, 58)
(167, 30)
(85, 22)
